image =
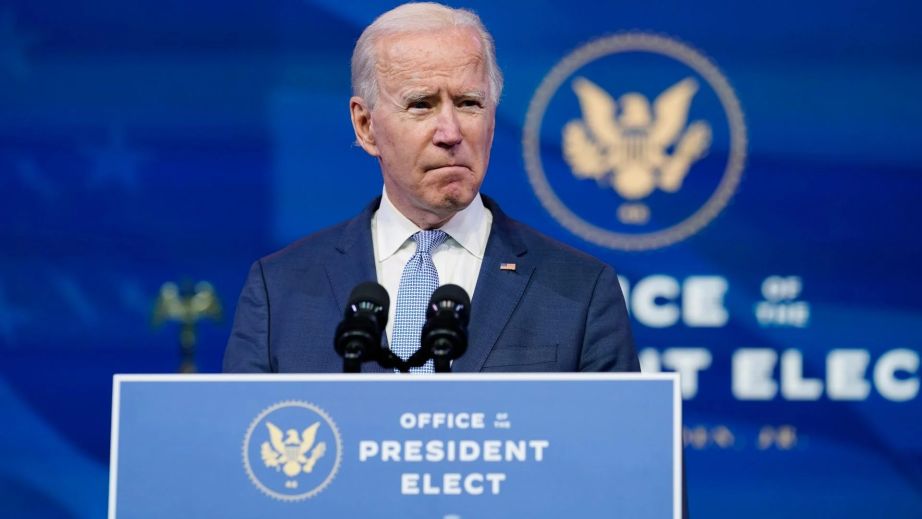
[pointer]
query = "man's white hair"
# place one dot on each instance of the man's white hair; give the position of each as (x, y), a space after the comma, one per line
(416, 17)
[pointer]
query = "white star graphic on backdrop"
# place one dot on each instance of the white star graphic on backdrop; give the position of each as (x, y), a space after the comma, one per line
(132, 296)
(10, 318)
(13, 46)
(115, 163)
(33, 178)
(76, 298)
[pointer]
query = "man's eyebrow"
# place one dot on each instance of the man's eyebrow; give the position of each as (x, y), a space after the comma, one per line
(422, 95)
(475, 94)
(416, 95)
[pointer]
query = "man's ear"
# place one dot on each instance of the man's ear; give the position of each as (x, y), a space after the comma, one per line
(361, 124)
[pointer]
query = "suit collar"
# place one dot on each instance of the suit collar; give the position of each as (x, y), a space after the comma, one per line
(357, 231)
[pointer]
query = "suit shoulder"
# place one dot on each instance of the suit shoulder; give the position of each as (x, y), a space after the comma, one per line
(555, 251)
(307, 249)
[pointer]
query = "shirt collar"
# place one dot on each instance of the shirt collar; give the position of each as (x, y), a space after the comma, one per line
(467, 227)
(470, 227)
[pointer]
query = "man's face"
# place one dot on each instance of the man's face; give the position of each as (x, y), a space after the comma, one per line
(432, 124)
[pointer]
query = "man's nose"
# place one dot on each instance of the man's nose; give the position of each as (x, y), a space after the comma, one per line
(448, 128)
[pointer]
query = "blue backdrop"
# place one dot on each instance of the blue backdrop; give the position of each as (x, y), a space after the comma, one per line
(152, 141)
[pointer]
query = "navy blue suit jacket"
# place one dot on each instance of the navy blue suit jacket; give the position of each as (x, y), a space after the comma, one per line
(559, 310)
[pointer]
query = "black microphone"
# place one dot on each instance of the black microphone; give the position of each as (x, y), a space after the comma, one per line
(444, 336)
(358, 336)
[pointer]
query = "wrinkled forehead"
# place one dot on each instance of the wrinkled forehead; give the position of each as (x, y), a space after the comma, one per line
(415, 55)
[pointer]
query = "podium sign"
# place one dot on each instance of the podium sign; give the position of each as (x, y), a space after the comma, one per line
(436, 446)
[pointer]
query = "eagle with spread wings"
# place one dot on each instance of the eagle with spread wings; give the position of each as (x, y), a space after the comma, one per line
(630, 149)
(288, 451)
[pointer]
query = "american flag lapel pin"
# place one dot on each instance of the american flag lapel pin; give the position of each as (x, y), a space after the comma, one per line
(507, 266)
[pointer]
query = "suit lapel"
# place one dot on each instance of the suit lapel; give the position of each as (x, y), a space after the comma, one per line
(353, 262)
(498, 291)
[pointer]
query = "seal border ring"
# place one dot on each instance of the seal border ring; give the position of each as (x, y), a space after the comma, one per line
(246, 457)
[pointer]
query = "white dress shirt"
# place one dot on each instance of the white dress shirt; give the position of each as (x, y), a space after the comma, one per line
(457, 260)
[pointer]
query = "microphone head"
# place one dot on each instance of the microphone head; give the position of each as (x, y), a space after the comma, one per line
(372, 292)
(451, 293)
(444, 335)
(358, 335)
(451, 297)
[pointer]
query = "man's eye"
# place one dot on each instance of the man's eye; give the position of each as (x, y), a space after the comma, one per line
(419, 105)
(470, 103)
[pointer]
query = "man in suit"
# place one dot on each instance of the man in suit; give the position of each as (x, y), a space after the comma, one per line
(426, 86)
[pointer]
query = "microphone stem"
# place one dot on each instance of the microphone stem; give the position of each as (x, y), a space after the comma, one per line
(442, 365)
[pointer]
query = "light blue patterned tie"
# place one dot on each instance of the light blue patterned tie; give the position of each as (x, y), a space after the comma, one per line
(418, 282)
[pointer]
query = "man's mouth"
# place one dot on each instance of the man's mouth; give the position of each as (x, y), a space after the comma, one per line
(449, 168)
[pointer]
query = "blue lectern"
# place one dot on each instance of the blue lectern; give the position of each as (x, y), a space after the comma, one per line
(435, 446)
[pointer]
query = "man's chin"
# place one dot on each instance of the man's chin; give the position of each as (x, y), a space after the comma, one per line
(457, 201)
(446, 207)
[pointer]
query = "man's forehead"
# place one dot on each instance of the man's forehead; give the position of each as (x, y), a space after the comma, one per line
(457, 47)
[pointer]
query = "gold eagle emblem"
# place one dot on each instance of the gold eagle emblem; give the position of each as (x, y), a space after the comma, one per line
(187, 306)
(627, 145)
(288, 451)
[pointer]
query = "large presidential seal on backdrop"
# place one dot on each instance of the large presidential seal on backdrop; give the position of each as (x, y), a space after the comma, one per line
(634, 141)
(292, 450)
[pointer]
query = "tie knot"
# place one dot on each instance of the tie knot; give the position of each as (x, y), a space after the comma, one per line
(428, 240)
